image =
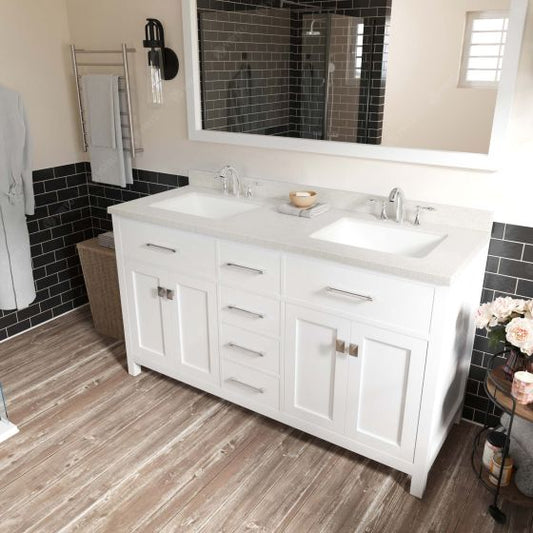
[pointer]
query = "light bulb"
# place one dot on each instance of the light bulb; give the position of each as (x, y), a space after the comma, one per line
(155, 79)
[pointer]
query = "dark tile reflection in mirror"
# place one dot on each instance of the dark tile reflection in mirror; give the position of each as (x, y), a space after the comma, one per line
(313, 69)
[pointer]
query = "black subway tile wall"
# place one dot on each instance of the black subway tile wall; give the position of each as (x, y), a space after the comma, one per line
(62, 219)
(313, 69)
(70, 209)
(145, 182)
(509, 272)
(245, 69)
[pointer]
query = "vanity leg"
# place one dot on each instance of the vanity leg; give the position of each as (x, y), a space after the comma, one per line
(133, 368)
(418, 484)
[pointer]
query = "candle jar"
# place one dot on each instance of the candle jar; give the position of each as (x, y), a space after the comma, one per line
(493, 446)
(495, 468)
(522, 389)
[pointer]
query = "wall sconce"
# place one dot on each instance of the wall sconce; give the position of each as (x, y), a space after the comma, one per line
(163, 63)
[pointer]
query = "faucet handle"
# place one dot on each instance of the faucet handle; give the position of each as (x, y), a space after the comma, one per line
(248, 188)
(383, 213)
(419, 209)
(224, 180)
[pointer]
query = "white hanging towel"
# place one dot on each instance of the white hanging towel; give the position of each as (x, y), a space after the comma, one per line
(110, 164)
(17, 289)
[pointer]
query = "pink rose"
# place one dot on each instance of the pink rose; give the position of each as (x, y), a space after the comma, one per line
(519, 332)
(484, 317)
(503, 308)
(528, 309)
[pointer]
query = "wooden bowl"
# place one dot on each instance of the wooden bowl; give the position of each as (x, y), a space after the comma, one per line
(303, 199)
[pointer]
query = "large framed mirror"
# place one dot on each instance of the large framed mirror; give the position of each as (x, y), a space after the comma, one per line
(397, 80)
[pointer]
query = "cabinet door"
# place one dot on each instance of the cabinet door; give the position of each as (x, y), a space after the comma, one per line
(193, 329)
(384, 389)
(150, 343)
(315, 373)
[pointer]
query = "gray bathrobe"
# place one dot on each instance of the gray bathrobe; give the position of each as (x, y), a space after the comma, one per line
(17, 289)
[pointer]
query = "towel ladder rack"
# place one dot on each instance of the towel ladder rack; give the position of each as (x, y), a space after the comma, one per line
(124, 51)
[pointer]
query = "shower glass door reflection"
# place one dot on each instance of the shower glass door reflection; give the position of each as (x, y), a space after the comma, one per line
(332, 55)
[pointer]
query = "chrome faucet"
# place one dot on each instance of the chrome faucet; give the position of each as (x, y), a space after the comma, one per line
(230, 180)
(397, 197)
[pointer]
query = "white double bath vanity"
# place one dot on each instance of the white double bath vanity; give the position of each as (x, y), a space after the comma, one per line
(353, 329)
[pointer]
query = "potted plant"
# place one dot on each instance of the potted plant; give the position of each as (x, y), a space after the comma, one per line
(509, 320)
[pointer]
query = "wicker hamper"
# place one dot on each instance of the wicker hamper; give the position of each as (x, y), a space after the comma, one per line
(100, 273)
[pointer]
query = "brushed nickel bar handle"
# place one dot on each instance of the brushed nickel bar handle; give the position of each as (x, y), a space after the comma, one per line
(248, 269)
(162, 248)
(234, 346)
(260, 390)
(245, 311)
(349, 294)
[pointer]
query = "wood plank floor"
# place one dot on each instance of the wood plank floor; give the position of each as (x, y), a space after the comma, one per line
(99, 450)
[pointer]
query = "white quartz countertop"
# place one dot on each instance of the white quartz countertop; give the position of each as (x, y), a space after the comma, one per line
(265, 226)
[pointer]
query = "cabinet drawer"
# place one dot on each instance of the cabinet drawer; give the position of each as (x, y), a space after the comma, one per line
(250, 385)
(250, 268)
(241, 346)
(249, 311)
(168, 247)
(360, 293)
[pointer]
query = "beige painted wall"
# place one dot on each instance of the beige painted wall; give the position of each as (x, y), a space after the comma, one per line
(424, 107)
(167, 148)
(34, 61)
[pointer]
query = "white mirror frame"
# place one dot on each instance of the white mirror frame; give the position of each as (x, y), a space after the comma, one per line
(490, 161)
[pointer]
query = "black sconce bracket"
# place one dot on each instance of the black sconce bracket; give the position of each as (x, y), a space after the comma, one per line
(154, 39)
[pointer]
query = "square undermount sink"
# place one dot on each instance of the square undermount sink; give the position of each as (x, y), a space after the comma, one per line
(205, 205)
(380, 237)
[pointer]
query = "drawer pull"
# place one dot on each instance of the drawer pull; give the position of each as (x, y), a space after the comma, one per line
(234, 346)
(245, 311)
(170, 294)
(353, 350)
(260, 390)
(158, 247)
(340, 292)
(247, 269)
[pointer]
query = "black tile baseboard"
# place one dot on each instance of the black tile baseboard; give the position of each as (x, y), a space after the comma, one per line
(70, 208)
(145, 183)
(62, 218)
(509, 272)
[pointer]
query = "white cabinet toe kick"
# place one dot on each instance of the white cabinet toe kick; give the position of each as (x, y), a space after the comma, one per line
(371, 362)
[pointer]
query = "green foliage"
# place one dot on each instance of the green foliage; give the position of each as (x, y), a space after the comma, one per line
(496, 336)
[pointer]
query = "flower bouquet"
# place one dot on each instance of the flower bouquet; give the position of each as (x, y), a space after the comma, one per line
(509, 320)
